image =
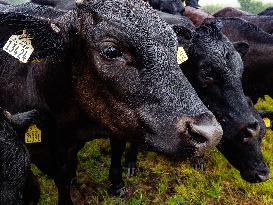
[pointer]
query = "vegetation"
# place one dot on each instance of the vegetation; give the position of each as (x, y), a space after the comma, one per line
(252, 6)
(160, 181)
(212, 8)
(17, 1)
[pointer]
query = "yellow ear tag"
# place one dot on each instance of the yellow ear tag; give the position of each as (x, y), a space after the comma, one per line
(33, 134)
(19, 46)
(181, 55)
(267, 122)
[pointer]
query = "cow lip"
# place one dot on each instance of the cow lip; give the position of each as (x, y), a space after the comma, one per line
(254, 177)
(263, 177)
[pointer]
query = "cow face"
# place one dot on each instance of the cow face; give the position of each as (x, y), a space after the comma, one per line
(126, 77)
(215, 70)
(246, 155)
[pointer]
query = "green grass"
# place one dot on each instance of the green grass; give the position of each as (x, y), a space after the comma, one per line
(251, 6)
(160, 181)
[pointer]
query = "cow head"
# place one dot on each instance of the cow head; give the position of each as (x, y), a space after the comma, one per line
(124, 74)
(215, 70)
(128, 74)
(245, 154)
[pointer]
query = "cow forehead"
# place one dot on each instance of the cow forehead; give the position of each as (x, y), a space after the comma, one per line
(136, 18)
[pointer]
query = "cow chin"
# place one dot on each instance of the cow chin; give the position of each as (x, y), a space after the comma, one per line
(177, 151)
(257, 175)
(180, 148)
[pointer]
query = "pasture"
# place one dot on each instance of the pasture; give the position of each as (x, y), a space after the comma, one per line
(160, 181)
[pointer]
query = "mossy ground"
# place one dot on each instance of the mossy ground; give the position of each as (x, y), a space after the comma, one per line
(160, 181)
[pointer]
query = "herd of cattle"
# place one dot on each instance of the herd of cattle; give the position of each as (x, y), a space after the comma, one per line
(108, 68)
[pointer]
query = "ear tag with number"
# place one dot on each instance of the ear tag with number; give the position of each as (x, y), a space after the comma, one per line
(19, 46)
(267, 122)
(181, 55)
(33, 135)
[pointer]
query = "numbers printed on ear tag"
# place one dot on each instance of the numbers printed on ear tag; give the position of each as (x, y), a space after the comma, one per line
(181, 55)
(19, 46)
(267, 122)
(33, 135)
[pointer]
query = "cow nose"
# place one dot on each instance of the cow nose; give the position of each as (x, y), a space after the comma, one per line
(251, 130)
(204, 131)
(262, 178)
(197, 133)
(262, 175)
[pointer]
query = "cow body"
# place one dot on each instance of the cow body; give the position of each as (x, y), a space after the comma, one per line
(264, 22)
(62, 4)
(266, 12)
(197, 16)
(231, 12)
(174, 7)
(4, 2)
(15, 172)
(257, 80)
(192, 3)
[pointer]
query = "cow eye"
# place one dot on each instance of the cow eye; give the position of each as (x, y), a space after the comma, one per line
(111, 52)
(246, 139)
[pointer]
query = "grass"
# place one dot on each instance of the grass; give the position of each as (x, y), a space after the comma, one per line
(160, 181)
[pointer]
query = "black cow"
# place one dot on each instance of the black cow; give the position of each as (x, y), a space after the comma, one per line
(265, 22)
(231, 12)
(84, 74)
(257, 78)
(219, 85)
(174, 7)
(215, 70)
(221, 89)
(59, 4)
(266, 12)
(192, 3)
(15, 173)
(3, 2)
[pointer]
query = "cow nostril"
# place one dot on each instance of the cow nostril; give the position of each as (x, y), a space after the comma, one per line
(196, 135)
(251, 130)
(261, 177)
(202, 131)
(254, 125)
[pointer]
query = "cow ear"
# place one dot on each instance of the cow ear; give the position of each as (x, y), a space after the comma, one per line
(213, 22)
(47, 37)
(241, 47)
(182, 32)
